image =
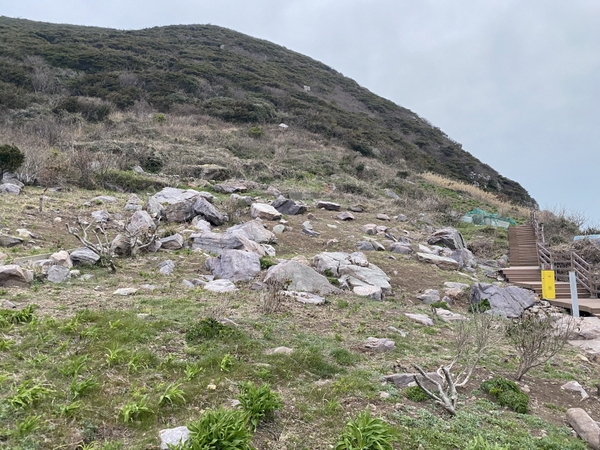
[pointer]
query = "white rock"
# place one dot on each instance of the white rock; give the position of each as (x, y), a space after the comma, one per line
(449, 316)
(423, 319)
(280, 351)
(372, 292)
(264, 211)
(125, 291)
(380, 344)
(575, 387)
(305, 297)
(173, 437)
(220, 286)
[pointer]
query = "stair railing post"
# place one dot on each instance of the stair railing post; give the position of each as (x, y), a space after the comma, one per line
(574, 297)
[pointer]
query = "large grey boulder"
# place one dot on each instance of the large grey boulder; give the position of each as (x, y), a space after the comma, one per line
(332, 261)
(264, 211)
(442, 262)
(182, 211)
(176, 205)
(84, 256)
(402, 248)
(9, 241)
(134, 203)
(58, 274)
(508, 301)
(253, 230)
(235, 265)
(62, 258)
(9, 188)
(585, 427)
(14, 275)
(300, 278)
(447, 237)
(204, 208)
(287, 206)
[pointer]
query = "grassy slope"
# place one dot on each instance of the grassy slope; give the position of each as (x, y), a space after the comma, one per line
(98, 354)
(231, 76)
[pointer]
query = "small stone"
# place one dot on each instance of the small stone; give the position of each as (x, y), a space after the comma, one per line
(278, 229)
(423, 319)
(333, 227)
(356, 208)
(345, 216)
(172, 437)
(401, 218)
(103, 199)
(429, 296)
(58, 274)
(307, 225)
(396, 330)
(264, 211)
(279, 351)
(211, 387)
(125, 291)
(382, 217)
(310, 233)
(449, 316)
(305, 297)
(57, 220)
(372, 292)
(166, 267)
(220, 286)
(147, 287)
(575, 387)
(380, 345)
(365, 246)
(384, 395)
(101, 216)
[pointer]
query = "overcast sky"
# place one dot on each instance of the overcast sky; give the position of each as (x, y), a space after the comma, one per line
(517, 82)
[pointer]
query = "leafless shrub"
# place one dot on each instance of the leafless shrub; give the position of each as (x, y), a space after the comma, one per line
(272, 297)
(561, 225)
(536, 339)
(43, 78)
(128, 79)
(473, 340)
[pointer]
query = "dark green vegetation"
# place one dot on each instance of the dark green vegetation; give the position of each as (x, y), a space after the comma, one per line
(507, 393)
(204, 69)
(10, 158)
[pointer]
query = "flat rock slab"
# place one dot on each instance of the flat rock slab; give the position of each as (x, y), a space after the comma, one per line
(380, 345)
(574, 386)
(174, 242)
(288, 207)
(442, 262)
(279, 351)
(404, 380)
(264, 211)
(449, 316)
(429, 296)
(9, 188)
(423, 319)
(125, 291)
(220, 286)
(401, 248)
(305, 297)
(372, 292)
(207, 210)
(166, 267)
(345, 216)
(329, 206)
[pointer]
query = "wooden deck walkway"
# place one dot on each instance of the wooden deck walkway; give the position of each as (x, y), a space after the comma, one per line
(524, 271)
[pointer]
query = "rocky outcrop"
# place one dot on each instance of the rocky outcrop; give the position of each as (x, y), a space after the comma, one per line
(288, 207)
(207, 210)
(447, 237)
(84, 256)
(264, 211)
(442, 262)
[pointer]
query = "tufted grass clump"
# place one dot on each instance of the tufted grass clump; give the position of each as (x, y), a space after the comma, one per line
(507, 393)
(260, 402)
(220, 429)
(207, 328)
(366, 433)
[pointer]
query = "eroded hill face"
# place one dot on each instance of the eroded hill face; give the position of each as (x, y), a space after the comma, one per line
(206, 70)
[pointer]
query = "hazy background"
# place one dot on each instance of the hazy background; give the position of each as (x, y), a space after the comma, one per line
(516, 82)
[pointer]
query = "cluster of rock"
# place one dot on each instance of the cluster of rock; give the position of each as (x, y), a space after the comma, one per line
(10, 184)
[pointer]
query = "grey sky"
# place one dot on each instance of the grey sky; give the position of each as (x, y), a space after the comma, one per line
(516, 82)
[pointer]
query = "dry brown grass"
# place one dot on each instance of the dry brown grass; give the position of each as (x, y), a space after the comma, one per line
(504, 208)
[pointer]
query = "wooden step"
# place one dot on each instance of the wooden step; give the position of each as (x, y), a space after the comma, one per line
(589, 305)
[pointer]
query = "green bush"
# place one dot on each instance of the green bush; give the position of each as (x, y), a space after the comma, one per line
(507, 393)
(416, 394)
(255, 132)
(11, 158)
(220, 429)
(206, 329)
(91, 109)
(481, 307)
(440, 304)
(366, 433)
(259, 402)
(479, 443)
(266, 262)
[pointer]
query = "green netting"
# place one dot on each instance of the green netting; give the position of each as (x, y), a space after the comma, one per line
(481, 217)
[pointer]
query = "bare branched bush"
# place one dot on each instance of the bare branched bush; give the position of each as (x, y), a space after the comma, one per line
(473, 340)
(273, 296)
(537, 338)
(561, 225)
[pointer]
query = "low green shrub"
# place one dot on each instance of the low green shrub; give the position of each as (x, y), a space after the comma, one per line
(366, 433)
(255, 132)
(481, 307)
(266, 262)
(507, 393)
(11, 158)
(260, 402)
(416, 394)
(440, 304)
(206, 329)
(129, 181)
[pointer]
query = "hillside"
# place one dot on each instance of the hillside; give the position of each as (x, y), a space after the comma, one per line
(208, 70)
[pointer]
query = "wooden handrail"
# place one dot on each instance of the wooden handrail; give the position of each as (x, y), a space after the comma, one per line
(582, 272)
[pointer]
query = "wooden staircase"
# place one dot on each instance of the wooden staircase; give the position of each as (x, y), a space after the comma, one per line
(526, 254)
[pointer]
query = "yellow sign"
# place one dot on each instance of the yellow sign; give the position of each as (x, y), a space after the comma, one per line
(548, 286)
